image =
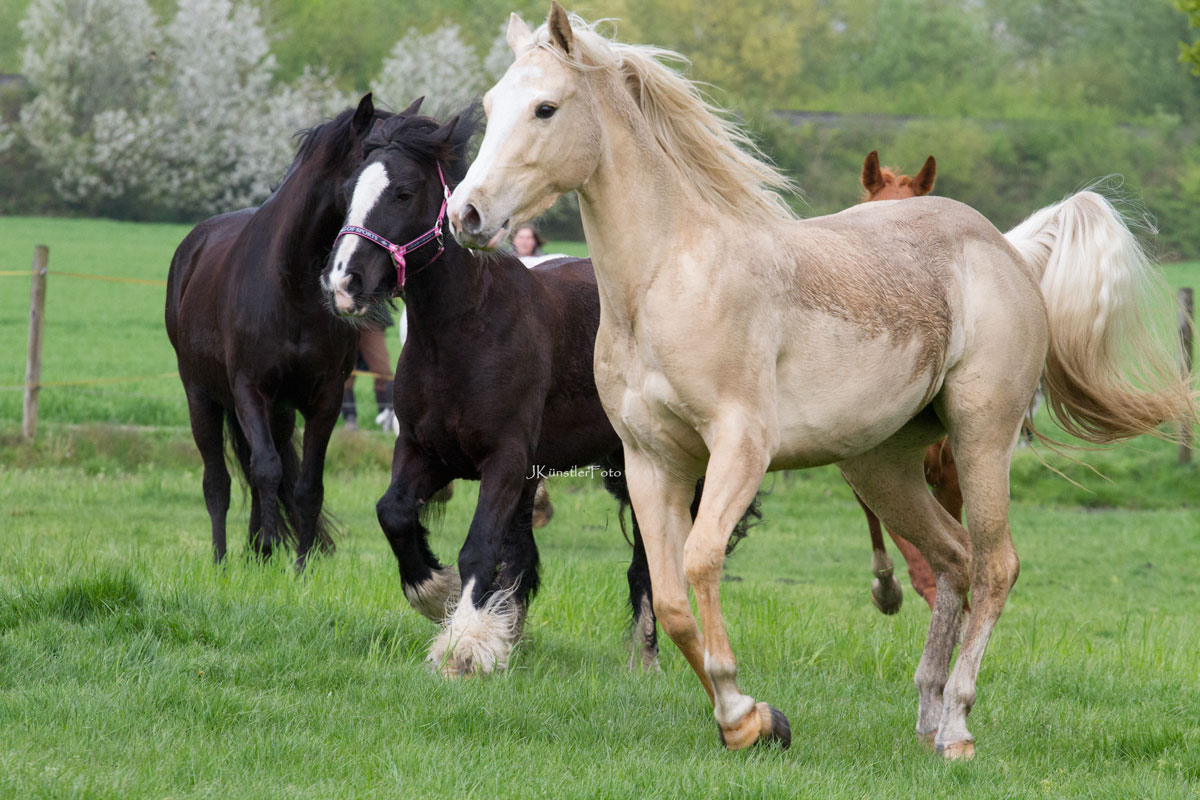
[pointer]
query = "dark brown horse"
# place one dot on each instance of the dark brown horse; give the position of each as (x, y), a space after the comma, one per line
(941, 473)
(494, 384)
(255, 343)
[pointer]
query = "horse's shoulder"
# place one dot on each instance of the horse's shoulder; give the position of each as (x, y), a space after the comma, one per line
(207, 243)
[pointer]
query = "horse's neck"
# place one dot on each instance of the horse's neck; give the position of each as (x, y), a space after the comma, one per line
(301, 229)
(631, 216)
(446, 290)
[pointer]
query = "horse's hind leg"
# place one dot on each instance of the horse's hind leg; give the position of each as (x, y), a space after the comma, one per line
(310, 487)
(886, 593)
(919, 573)
(265, 466)
(889, 479)
(519, 553)
(983, 446)
(207, 418)
(428, 586)
(543, 509)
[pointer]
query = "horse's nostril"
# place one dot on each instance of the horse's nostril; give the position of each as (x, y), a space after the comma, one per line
(353, 284)
(471, 221)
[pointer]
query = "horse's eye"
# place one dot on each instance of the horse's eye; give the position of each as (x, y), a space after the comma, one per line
(403, 195)
(545, 111)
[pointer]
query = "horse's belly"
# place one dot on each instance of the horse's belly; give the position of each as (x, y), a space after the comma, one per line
(841, 394)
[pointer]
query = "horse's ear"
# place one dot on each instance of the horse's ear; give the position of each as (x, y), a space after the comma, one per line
(560, 28)
(872, 177)
(446, 131)
(922, 183)
(364, 114)
(518, 34)
(413, 108)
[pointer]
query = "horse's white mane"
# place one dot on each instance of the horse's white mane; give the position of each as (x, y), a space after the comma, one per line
(716, 156)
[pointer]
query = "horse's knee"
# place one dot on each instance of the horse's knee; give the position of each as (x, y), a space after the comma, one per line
(266, 468)
(395, 511)
(676, 618)
(701, 563)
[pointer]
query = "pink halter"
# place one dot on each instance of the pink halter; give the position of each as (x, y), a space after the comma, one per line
(398, 251)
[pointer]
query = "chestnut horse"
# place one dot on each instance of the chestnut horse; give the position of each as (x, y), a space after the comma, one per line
(736, 339)
(884, 183)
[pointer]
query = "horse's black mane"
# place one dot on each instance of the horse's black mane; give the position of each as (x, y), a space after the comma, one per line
(333, 135)
(414, 137)
(336, 130)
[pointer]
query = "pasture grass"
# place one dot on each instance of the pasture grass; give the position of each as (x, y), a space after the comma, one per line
(132, 667)
(105, 330)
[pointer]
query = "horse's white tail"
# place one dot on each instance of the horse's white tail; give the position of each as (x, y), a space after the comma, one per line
(1111, 372)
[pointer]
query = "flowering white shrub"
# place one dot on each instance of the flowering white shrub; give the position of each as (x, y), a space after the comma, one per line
(139, 119)
(92, 64)
(441, 66)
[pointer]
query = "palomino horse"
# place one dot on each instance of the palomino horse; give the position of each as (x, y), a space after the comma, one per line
(254, 342)
(884, 183)
(736, 339)
(494, 384)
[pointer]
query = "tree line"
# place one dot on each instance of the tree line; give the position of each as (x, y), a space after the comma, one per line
(171, 109)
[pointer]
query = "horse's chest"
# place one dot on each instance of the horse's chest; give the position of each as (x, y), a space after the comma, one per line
(645, 407)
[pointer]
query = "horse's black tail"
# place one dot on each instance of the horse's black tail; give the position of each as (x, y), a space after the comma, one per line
(289, 514)
(752, 516)
(614, 482)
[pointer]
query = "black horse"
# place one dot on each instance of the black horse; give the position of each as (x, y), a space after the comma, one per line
(494, 384)
(255, 343)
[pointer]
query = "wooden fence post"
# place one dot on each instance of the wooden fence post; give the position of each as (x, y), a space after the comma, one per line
(1186, 332)
(33, 363)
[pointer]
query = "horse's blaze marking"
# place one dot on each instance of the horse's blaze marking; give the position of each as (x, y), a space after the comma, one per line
(372, 183)
(508, 101)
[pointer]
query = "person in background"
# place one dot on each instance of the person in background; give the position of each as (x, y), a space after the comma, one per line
(527, 245)
(527, 242)
(373, 357)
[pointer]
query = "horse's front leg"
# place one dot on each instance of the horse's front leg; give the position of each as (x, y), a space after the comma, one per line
(416, 480)
(662, 502)
(311, 528)
(737, 463)
(480, 634)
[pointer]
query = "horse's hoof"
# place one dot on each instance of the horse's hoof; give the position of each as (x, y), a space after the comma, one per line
(957, 751)
(927, 739)
(763, 725)
(886, 594)
(477, 640)
(434, 597)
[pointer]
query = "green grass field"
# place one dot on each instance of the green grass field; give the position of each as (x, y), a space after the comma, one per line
(131, 667)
